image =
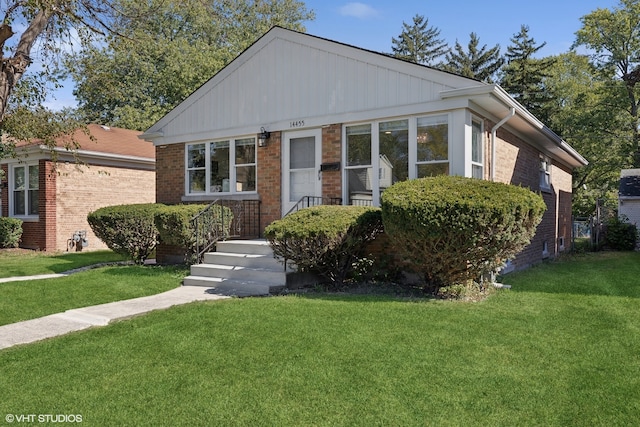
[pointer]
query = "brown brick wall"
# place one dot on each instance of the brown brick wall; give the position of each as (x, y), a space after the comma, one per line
(332, 153)
(83, 189)
(270, 180)
(40, 234)
(170, 173)
(518, 163)
(4, 191)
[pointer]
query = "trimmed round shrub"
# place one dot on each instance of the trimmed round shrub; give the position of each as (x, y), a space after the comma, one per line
(176, 228)
(10, 232)
(127, 229)
(326, 240)
(451, 230)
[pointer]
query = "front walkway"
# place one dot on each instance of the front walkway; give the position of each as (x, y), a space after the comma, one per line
(78, 319)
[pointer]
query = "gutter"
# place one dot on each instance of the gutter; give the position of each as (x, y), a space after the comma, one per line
(494, 131)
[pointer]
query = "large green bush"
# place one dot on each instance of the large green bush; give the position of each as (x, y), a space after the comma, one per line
(620, 235)
(127, 229)
(176, 228)
(452, 230)
(325, 239)
(10, 232)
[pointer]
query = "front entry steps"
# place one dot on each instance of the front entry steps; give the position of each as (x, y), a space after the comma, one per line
(239, 268)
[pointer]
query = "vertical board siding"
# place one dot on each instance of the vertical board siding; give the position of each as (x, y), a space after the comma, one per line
(286, 80)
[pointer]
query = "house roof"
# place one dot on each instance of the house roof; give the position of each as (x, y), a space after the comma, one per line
(629, 183)
(290, 77)
(498, 102)
(287, 75)
(106, 141)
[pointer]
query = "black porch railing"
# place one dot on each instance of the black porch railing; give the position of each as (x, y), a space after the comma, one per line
(309, 201)
(240, 219)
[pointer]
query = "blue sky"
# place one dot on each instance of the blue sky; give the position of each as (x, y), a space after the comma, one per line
(371, 24)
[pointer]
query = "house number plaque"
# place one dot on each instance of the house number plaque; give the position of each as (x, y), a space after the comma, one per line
(296, 124)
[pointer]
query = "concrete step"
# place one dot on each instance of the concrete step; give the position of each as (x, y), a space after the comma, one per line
(252, 247)
(243, 260)
(240, 273)
(232, 287)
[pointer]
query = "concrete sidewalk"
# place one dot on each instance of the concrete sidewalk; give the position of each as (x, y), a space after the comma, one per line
(78, 319)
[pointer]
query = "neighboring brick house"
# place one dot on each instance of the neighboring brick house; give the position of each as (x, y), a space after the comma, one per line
(629, 196)
(53, 198)
(345, 122)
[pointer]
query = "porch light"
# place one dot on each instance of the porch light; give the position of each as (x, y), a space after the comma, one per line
(263, 136)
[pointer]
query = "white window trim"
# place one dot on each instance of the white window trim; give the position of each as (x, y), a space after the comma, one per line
(547, 171)
(482, 143)
(11, 185)
(207, 167)
(413, 165)
(375, 150)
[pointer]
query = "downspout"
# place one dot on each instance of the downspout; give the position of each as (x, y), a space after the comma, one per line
(494, 131)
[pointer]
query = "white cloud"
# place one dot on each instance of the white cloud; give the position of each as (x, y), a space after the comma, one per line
(359, 10)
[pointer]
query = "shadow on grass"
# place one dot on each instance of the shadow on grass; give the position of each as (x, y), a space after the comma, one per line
(614, 274)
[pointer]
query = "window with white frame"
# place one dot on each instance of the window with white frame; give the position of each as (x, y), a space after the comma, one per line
(433, 146)
(396, 150)
(545, 173)
(25, 190)
(358, 164)
(477, 149)
(227, 166)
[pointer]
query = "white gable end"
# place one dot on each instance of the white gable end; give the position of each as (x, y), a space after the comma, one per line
(288, 76)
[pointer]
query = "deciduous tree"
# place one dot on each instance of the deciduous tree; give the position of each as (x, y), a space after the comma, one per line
(32, 34)
(165, 50)
(613, 37)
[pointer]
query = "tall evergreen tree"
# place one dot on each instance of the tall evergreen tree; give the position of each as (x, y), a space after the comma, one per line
(418, 42)
(523, 75)
(481, 64)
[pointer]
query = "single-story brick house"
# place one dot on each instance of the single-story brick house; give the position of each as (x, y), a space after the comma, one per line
(53, 197)
(296, 115)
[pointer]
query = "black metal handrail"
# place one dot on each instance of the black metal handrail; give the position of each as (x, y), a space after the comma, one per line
(222, 219)
(309, 201)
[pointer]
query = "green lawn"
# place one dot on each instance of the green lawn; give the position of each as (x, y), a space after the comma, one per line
(25, 300)
(28, 263)
(561, 348)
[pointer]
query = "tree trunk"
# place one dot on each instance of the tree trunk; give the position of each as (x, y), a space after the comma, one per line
(12, 68)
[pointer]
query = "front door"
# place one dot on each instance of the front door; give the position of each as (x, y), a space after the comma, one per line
(302, 158)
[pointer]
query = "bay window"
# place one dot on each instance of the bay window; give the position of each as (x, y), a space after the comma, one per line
(213, 167)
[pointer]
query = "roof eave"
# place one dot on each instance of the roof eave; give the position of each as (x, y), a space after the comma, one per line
(493, 92)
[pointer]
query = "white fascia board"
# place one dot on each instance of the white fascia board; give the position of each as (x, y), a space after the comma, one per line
(88, 154)
(426, 108)
(556, 145)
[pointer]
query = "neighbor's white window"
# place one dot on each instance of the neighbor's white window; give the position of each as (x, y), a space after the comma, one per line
(545, 173)
(477, 149)
(212, 167)
(25, 190)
